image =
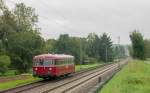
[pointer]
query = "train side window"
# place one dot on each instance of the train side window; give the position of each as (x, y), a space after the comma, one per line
(69, 60)
(52, 62)
(72, 61)
(62, 62)
(65, 61)
(56, 62)
(59, 62)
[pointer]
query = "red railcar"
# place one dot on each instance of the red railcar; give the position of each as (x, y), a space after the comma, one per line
(53, 65)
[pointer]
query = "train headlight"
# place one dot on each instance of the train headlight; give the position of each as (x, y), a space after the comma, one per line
(35, 68)
(50, 68)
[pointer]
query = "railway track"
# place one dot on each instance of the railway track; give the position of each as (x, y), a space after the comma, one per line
(34, 85)
(57, 86)
(25, 87)
(66, 87)
(64, 84)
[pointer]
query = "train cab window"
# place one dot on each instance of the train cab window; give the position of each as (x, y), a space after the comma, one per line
(41, 62)
(35, 63)
(48, 62)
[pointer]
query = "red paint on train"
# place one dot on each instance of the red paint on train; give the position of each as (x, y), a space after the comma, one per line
(52, 65)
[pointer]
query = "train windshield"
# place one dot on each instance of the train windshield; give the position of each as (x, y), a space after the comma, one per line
(42, 62)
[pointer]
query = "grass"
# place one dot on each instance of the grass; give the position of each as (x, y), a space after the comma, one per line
(8, 73)
(14, 83)
(133, 78)
(80, 67)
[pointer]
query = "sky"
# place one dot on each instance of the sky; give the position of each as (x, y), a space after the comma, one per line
(78, 18)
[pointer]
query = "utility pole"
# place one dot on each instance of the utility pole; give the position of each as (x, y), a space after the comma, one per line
(106, 56)
(118, 51)
(80, 54)
(118, 47)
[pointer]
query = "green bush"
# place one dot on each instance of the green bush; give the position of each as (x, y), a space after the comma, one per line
(92, 60)
(4, 63)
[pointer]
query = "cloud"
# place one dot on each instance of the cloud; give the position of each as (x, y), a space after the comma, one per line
(80, 17)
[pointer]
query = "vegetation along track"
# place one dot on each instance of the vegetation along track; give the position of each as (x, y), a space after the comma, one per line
(45, 82)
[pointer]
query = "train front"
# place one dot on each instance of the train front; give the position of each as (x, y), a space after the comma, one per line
(43, 67)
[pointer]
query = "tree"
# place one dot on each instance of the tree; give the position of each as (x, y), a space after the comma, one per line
(4, 63)
(93, 45)
(68, 45)
(120, 51)
(63, 44)
(138, 45)
(49, 46)
(7, 24)
(147, 48)
(22, 46)
(130, 50)
(25, 17)
(75, 46)
(19, 35)
(105, 48)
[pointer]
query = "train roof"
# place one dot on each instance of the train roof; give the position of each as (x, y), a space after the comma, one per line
(54, 56)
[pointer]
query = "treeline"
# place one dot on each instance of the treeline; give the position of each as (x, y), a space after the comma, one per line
(19, 37)
(20, 40)
(92, 48)
(140, 47)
